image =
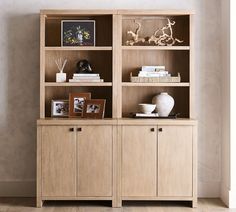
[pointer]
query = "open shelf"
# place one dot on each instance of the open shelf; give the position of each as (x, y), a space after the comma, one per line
(58, 93)
(174, 61)
(101, 62)
(132, 96)
(103, 28)
(75, 84)
(156, 48)
(79, 48)
(150, 23)
(131, 84)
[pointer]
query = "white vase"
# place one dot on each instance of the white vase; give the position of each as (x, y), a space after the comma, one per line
(164, 104)
(60, 77)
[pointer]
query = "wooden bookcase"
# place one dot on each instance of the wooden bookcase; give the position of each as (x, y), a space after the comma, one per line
(127, 147)
(114, 60)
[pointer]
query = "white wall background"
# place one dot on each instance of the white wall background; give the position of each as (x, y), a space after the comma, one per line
(19, 85)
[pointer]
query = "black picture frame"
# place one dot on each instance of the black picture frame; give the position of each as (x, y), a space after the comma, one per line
(78, 33)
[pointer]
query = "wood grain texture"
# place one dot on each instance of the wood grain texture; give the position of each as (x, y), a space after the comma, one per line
(58, 161)
(94, 161)
(39, 168)
(139, 161)
(175, 162)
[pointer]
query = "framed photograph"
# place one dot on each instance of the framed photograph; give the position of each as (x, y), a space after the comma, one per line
(78, 33)
(94, 108)
(77, 101)
(59, 108)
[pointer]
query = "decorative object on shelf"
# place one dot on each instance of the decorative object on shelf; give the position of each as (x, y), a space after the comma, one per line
(78, 33)
(135, 35)
(147, 108)
(164, 104)
(94, 108)
(84, 73)
(161, 37)
(165, 36)
(60, 77)
(83, 66)
(59, 108)
(155, 79)
(76, 101)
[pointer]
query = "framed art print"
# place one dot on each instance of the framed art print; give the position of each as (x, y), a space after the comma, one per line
(77, 101)
(78, 33)
(59, 108)
(94, 108)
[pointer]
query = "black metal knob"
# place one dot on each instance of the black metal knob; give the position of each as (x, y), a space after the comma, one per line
(79, 129)
(152, 129)
(160, 129)
(71, 129)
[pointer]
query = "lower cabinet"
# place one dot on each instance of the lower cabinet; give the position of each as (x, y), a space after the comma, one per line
(76, 161)
(94, 161)
(117, 161)
(58, 161)
(157, 161)
(139, 161)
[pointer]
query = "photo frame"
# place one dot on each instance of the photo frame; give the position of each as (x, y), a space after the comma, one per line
(78, 33)
(59, 108)
(76, 103)
(94, 108)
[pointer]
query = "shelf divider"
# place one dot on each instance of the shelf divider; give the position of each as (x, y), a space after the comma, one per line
(77, 84)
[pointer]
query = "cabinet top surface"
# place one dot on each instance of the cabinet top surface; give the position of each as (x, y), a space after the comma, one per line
(115, 12)
(123, 121)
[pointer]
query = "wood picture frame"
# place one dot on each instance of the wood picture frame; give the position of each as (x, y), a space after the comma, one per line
(94, 108)
(59, 108)
(78, 33)
(76, 103)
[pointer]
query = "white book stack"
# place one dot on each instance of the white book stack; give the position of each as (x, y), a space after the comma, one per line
(153, 71)
(86, 78)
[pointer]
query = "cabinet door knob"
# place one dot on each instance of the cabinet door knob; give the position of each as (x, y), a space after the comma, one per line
(152, 129)
(160, 129)
(71, 129)
(79, 129)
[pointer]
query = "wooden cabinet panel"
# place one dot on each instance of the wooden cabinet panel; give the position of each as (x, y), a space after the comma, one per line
(58, 161)
(139, 165)
(94, 159)
(175, 161)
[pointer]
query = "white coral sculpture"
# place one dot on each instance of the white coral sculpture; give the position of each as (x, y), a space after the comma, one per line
(135, 35)
(166, 37)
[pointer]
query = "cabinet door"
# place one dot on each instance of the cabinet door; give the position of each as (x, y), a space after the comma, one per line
(139, 155)
(58, 161)
(175, 161)
(94, 159)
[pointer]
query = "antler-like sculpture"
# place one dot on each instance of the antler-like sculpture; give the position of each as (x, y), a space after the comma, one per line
(135, 35)
(165, 38)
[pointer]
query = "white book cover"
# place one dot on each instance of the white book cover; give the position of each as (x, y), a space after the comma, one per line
(153, 68)
(86, 80)
(146, 115)
(86, 75)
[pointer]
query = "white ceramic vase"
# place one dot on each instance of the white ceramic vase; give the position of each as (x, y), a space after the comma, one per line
(164, 104)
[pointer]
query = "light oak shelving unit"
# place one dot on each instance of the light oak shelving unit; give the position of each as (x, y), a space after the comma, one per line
(117, 158)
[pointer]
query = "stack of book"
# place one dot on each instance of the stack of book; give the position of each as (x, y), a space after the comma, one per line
(153, 71)
(86, 78)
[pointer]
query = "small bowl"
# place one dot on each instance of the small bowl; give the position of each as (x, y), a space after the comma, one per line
(147, 108)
